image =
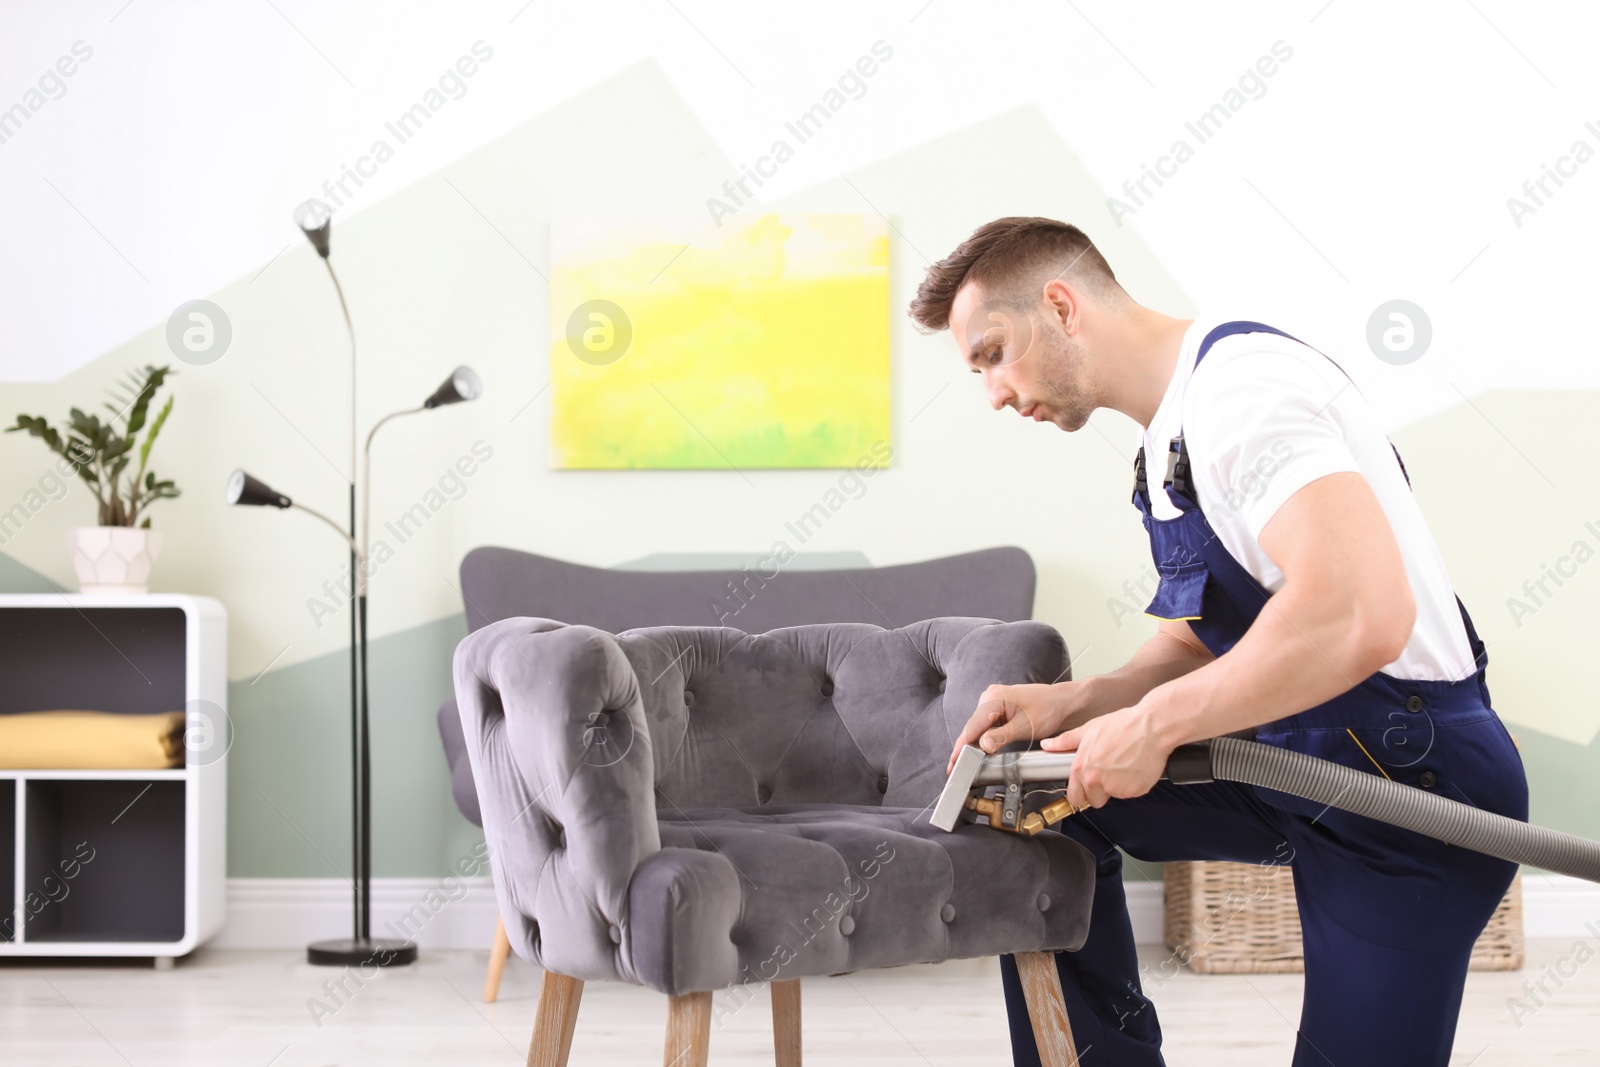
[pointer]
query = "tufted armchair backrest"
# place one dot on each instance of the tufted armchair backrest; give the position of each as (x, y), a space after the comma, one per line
(843, 713)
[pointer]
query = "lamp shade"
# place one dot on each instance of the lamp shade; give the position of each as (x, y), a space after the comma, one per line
(316, 219)
(243, 489)
(463, 384)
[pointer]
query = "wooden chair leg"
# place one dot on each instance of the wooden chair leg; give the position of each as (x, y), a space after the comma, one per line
(497, 962)
(786, 1022)
(554, 1023)
(1041, 987)
(688, 1030)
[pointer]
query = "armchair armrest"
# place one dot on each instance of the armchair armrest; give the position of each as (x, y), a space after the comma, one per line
(556, 735)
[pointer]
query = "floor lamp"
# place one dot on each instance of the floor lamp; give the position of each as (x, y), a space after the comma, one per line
(463, 384)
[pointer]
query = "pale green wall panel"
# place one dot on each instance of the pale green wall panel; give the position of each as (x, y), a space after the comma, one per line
(289, 768)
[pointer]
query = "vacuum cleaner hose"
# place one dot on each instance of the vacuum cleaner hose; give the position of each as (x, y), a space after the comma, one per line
(1234, 759)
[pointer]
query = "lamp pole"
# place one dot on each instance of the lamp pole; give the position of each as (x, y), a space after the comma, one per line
(315, 219)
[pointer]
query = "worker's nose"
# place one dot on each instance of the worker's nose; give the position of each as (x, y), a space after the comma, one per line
(1000, 394)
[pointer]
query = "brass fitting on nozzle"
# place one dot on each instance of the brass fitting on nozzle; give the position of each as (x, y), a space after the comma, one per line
(1031, 823)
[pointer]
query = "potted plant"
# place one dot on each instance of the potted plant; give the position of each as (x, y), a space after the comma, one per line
(116, 555)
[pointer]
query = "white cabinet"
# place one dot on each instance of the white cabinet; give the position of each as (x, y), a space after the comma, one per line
(115, 862)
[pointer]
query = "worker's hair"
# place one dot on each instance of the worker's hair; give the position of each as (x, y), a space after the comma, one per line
(1012, 259)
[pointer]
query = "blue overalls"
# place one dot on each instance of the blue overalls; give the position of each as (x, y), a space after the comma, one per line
(1389, 917)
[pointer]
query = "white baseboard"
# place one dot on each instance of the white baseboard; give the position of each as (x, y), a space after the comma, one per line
(290, 912)
(1555, 905)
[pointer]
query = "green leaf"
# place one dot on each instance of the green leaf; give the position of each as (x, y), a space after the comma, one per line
(36, 426)
(85, 426)
(154, 376)
(155, 428)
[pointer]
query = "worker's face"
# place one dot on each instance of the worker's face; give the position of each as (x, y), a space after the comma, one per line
(1027, 360)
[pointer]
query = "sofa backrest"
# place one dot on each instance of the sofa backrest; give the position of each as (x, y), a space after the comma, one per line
(503, 583)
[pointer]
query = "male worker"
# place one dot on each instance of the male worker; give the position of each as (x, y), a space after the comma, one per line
(1300, 595)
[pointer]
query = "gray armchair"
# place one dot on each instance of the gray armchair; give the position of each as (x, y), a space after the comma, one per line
(697, 809)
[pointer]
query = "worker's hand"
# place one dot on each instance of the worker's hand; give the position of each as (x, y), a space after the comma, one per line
(1119, 755)
(1008, 713)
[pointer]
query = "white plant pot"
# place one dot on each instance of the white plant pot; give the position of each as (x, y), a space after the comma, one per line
(113, 559)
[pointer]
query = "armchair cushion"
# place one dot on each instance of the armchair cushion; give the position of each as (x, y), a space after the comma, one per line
(690, 807)
(837, 888)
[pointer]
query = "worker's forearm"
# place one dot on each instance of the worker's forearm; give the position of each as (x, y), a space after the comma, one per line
(1302, 650)
(1159, 660)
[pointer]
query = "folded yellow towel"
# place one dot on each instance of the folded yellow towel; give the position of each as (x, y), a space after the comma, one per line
(90, 740)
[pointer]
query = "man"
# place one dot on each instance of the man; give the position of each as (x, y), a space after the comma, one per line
(1300, 597)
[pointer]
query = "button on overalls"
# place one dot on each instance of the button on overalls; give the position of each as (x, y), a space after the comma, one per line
(1389, 917)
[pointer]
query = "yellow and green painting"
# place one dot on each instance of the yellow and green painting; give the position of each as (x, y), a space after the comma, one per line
(760, 344)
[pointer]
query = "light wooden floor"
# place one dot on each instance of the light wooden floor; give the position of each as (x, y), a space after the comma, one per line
(226, 1008)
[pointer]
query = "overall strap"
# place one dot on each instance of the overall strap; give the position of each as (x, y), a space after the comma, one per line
(1228, 329)
(1141, 485)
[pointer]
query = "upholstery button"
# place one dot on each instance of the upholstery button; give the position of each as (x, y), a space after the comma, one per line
(688, 699)
(1413, 703)
(1427, 779)
(1044, 901)
(764, 793)
(883, 784)
(827, 687)
(847, 926)
(616, 934)
(942, 682)
(948, 913)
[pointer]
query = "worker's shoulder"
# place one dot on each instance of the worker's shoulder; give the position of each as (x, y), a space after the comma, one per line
(1251, 362)
(1255, 383)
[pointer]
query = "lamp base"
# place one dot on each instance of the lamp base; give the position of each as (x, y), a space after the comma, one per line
(356, 952)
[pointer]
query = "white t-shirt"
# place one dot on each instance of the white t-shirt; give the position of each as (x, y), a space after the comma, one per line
(1264, 416)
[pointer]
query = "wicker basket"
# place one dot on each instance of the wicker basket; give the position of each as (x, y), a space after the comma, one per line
(1240, 918)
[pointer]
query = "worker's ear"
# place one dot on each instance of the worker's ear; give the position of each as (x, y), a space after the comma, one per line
(1063, 303)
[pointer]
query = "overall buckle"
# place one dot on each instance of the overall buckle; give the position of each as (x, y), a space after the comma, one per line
(1177, 479)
